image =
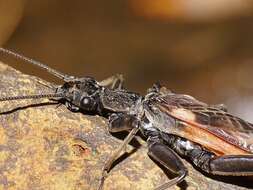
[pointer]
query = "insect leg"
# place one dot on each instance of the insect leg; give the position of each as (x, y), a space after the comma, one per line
(113, 82)
(235, 165)
(230, 165)
(188, 149)
(121, 122)
(168, 158)
(158, 88)
(134, 125)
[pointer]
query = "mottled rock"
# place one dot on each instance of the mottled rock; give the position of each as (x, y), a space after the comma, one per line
(45, 146)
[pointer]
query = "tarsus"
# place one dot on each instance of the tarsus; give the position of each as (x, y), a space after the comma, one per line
(37, 63)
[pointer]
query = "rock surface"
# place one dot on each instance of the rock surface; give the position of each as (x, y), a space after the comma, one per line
(45, 146)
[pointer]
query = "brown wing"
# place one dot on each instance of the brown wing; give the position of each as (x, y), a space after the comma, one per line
(211, 119)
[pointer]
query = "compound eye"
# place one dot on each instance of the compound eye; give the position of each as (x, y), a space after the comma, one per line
(88, 103)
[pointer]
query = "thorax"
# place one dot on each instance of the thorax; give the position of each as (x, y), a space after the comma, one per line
(120, 101)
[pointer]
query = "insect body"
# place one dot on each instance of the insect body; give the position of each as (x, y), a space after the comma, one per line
(174, 124)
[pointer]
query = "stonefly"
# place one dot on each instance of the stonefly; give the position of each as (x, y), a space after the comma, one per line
(173, 124)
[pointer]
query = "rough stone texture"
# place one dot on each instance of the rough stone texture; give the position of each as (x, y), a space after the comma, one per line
(45, 146)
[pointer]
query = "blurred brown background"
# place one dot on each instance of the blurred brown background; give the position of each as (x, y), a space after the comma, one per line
(201, 49)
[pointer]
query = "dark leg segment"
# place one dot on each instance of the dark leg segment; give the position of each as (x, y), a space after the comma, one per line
(199, 156)
(119, 122)
(235, 165)
(168, 158)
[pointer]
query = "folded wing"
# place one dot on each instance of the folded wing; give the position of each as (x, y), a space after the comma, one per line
(198, 116)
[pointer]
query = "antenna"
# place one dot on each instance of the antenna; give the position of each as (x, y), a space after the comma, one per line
(37, 63)
(37, 96)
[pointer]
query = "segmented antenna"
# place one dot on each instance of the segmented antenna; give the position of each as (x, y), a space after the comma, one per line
(37, 63)
(38, 96)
